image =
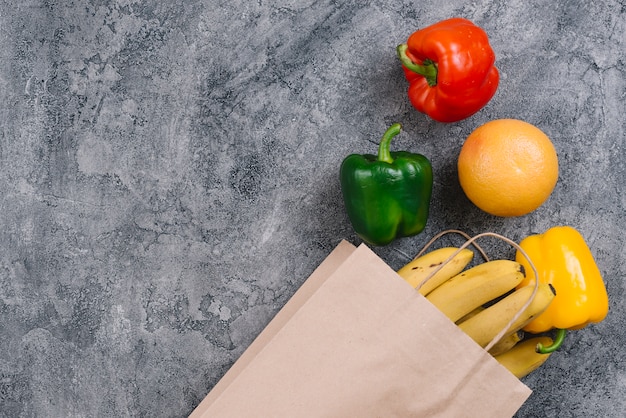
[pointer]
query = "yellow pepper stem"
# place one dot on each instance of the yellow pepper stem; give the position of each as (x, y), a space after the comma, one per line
(558, 340)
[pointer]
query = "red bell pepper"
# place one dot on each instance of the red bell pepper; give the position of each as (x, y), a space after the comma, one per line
(450, 69)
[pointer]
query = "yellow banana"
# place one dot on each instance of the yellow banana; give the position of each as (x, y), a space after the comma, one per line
(523, 358)
(471, 314)
(506, 343)
(476, 286)
(420, 268)
(485, 325)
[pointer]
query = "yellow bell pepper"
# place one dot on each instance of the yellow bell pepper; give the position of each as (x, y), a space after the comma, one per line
(563, 259)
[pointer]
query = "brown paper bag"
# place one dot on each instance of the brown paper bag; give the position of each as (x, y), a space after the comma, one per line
(357, 341)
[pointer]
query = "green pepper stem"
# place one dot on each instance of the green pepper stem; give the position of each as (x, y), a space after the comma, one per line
(383, 149)
(558, 340)
(428, 69)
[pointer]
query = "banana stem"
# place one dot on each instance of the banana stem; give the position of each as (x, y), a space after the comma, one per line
(558, 340)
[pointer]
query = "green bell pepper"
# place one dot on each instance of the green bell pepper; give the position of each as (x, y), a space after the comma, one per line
(386, 196)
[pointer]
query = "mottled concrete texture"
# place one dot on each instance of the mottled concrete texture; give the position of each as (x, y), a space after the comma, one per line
(169, 168)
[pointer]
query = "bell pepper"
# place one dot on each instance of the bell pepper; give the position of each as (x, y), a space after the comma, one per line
(386, 196)
(450, 69)
(562, 258)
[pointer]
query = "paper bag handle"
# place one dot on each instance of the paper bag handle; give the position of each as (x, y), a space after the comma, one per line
(472, 241)
(451, 231)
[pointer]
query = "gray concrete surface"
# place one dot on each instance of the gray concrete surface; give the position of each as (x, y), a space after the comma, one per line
(169, 177)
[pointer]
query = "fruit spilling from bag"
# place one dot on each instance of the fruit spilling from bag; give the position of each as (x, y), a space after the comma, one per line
(511, 307)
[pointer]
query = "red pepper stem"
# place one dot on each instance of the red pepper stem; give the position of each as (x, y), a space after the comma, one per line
(383, 149)
(428, 69)
(558, 340)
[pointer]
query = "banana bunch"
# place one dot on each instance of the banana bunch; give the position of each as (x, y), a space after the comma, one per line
(482, 300)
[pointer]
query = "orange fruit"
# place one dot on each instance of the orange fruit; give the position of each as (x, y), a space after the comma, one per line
(508, 167)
